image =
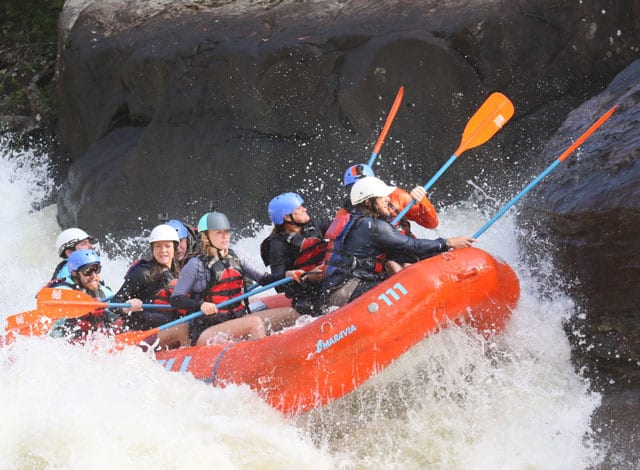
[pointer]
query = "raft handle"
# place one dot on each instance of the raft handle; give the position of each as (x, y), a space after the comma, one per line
(448, 256)
(326, 327)
(467, 274)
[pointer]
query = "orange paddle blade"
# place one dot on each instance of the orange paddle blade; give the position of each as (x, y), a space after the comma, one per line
(494, 113)
(65, 303)
(31, 323)
(389, 121)
(134, 337)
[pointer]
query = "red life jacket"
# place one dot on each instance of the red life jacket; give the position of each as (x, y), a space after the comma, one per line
(340, 221)
(311, 253)
(226, 281)
(163, 295)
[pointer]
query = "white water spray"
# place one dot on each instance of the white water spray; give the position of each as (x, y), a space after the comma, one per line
(455, 400)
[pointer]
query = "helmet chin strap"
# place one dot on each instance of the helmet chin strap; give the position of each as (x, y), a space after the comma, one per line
(292, 221)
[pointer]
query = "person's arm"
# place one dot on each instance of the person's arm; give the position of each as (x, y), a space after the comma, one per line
(278, 262)
(131, 287)
(131, 290)
(386, 238)
(422, 212)
(252, 271)
(187, 281)
(278, 258)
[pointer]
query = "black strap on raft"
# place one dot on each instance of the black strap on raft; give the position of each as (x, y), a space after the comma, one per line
(216, 366)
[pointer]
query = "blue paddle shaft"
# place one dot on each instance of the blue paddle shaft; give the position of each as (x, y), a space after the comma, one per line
(372, 159)
(160, 306)
(234, 300)
(430, 183)
(516, 199)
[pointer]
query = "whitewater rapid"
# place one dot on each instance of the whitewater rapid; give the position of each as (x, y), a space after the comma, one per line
(455, 401)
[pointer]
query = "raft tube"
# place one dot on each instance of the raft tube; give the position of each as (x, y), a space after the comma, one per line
(311, 365)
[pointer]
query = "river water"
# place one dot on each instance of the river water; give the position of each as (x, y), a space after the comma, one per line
(455, 401)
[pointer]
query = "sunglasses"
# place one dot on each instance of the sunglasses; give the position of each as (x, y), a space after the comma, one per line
(94, 268)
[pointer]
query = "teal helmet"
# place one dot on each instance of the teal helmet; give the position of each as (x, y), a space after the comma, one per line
(80, 258)
(213, 221)
(283, 204)
(355, 172)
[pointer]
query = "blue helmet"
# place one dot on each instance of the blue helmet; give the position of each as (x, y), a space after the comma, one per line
(180, 228)
(355, 172)
(213, 221)
(283, 204)
(80, 258)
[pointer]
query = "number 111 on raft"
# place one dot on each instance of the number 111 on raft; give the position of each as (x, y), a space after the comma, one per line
(393, 292)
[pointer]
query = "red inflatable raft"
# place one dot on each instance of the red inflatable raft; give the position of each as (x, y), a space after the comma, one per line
(311, 365)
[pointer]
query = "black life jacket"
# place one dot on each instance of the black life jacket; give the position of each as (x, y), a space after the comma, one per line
(164, 289)
(337, 259)
(307, 248)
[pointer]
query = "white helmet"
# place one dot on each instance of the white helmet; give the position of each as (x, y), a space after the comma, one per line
(368, 187)
(69, 237)
(164, 232)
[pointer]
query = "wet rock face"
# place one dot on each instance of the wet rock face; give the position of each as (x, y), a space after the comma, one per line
(590, 210)
(173, 106)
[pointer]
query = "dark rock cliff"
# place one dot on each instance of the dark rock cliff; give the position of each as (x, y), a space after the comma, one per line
(589, 211)
(228, 103)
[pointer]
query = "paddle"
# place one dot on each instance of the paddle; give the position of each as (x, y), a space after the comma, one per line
(134, 337)
(548, 170)
(31, 323)
(387, 125)
(54, 304)
(255, 285)
(494, 113)
(68, 303)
